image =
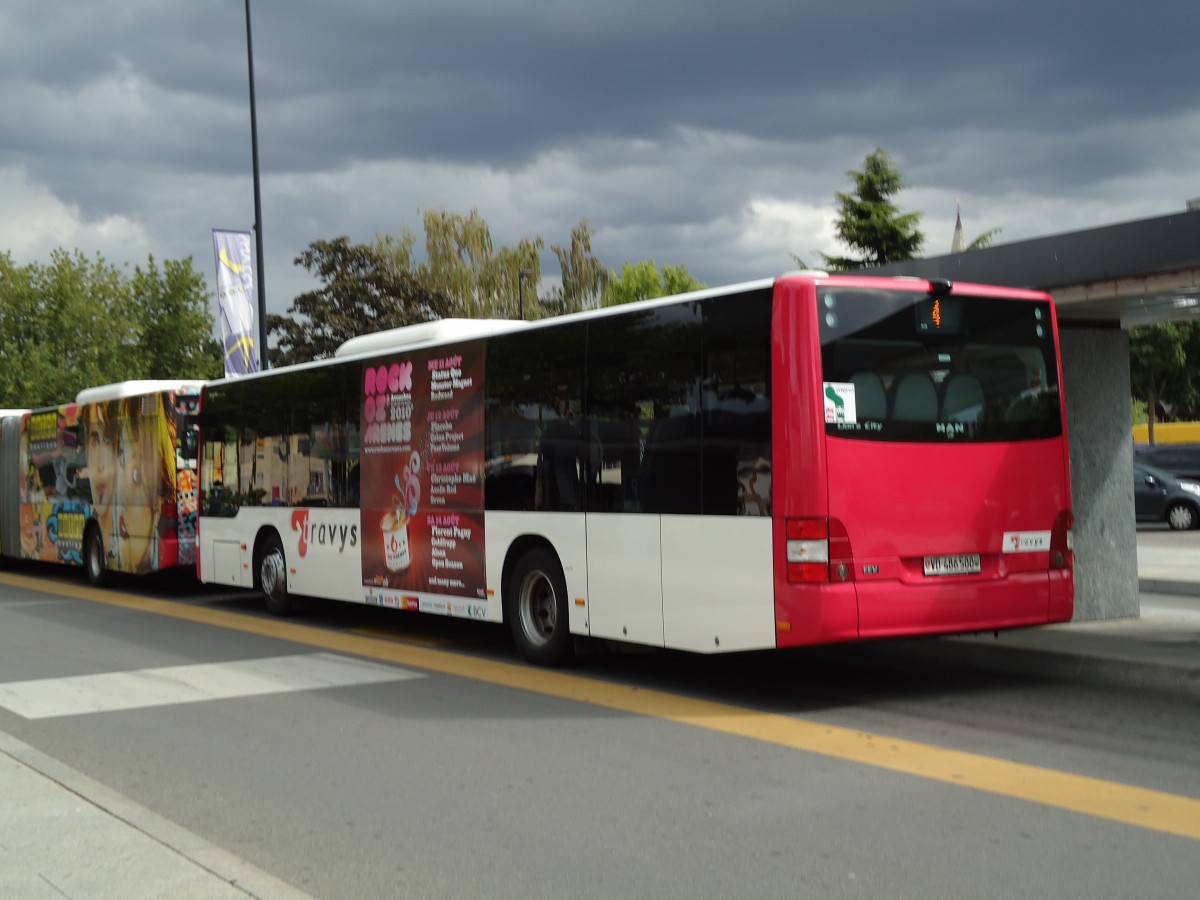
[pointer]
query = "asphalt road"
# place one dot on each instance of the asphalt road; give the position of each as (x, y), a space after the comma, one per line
(357, 752)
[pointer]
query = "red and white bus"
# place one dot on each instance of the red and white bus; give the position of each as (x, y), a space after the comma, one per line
(801, 460)
(107, 482)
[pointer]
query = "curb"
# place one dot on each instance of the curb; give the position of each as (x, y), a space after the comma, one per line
(1167, 586)
(972, 653)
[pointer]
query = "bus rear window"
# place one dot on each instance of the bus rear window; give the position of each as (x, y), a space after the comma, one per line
(899, 366)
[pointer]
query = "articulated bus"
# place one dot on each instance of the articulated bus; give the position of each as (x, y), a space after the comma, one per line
(795, 461)
(107, 482)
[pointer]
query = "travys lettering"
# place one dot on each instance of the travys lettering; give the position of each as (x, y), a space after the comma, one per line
(322, 534)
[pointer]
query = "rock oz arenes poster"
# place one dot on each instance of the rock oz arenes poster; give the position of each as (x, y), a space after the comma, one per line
(422, 477)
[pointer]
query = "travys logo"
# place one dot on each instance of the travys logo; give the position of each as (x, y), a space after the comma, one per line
(1025, 541)
(322, 534)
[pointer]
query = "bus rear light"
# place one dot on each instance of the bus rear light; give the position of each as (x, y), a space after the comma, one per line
(808, 573)
(1062, 541)
(807, 529)
(807, 550)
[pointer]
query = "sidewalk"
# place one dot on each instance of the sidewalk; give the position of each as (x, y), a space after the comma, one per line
(64, 835)
(1169, 563)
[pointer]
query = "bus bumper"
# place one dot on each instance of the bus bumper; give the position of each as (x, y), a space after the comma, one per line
(828, 613)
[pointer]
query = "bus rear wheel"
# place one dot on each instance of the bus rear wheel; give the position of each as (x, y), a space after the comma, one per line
(536, 602)
(93, 558)
(272, 576)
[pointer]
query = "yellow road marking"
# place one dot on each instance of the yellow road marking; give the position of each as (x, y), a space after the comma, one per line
(1141, 807)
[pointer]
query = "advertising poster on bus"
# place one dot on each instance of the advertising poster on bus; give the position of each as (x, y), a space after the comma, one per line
(422, 478)
(54, 491)
(112, 461)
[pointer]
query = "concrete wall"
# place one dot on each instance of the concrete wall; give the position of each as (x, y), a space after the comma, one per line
(1096, 381)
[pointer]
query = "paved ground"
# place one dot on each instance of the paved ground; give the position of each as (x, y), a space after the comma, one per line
(52, 817)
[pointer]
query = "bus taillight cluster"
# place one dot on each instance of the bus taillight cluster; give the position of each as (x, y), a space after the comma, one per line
(807, 551)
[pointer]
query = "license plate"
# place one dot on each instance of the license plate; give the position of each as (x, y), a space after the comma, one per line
(964, 564)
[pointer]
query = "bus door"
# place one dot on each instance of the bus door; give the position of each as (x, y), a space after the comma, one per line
(624, 553)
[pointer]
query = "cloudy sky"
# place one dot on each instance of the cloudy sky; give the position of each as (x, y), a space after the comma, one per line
(707, 133)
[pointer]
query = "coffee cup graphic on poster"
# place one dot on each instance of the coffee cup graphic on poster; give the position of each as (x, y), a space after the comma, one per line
(396, 552)
(393, 525)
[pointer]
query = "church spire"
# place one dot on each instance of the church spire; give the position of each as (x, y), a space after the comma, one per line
(959, 244)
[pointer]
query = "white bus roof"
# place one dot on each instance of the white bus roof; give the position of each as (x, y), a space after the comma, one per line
(125, 389)
(5, 413)
(438, 331)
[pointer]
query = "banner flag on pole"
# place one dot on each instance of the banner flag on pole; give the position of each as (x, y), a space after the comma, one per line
(235, 293)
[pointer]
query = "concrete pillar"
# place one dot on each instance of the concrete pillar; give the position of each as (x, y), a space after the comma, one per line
(1095, 362)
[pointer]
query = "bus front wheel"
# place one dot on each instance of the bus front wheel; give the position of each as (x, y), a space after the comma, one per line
(93, 558)
(272, 575)
(537, 609)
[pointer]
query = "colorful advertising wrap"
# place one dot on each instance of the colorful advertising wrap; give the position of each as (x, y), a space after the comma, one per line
(54, 505)
(113, 463)
(236, 295)
(422, 477)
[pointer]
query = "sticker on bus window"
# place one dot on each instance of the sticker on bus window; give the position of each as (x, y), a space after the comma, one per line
(839, 402)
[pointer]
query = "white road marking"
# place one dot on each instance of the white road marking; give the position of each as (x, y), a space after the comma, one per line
(46, 698)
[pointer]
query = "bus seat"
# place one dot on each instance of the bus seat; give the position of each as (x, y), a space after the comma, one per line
(962, 398)
(1004, 374)
(914, 398)
(870, 399)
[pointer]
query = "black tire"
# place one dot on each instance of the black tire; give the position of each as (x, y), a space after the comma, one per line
(272, 578)
(93, 558)
(536, 609)
(1182, 517)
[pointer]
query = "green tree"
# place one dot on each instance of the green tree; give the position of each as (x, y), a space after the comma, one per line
(371, 287)
(869, 222)
(1159, 371)
(463, 264)
(365, 289)
(583, 275)
(459, 260)
(642, 280)
(77, 322)
(172, 306)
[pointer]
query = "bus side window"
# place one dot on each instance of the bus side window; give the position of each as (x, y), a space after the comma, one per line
(558, 479)
(616, 459)
(725, 434)
(671, 469)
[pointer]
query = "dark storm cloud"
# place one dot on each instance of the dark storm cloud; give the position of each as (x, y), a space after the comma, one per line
(495, 82)
(706, 132)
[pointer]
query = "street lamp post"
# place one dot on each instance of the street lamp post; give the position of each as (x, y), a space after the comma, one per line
(258, 231)
(522, 274)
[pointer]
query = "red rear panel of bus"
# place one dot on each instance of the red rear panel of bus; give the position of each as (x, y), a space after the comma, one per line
(949, 527)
